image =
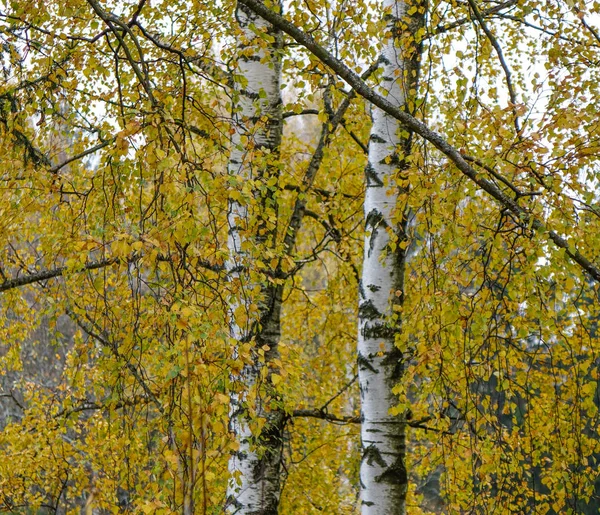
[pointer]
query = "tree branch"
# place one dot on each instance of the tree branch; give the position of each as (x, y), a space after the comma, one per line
(289, 114)
(81, 155)
(324, 415)
(440, 29)
(44, 275)
(137, 374)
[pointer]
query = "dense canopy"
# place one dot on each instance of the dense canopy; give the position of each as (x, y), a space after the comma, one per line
(309, 256)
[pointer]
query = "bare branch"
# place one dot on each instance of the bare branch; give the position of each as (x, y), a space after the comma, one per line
(289, 114)
(346, 419)
(323, 415)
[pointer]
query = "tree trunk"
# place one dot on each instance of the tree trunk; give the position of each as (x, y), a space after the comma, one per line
(383, 474)
(255, 468)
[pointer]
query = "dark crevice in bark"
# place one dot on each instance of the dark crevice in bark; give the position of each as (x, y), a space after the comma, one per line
(365, 363)
(395, 360)
(381, 330)
(373, 455)
(373, 179)
(368, 311)
(376, 139)
(395, 475)
(375, 219)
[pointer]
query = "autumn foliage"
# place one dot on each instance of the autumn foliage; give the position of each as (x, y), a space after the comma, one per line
(181, 253)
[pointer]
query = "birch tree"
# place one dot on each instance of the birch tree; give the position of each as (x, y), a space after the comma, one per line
(383, 474)
(255, 466)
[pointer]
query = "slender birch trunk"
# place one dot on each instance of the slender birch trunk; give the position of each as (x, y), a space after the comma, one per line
(256, 466)
(383, 474)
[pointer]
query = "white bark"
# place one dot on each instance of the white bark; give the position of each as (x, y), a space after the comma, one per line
(383, 474)
(256, 464)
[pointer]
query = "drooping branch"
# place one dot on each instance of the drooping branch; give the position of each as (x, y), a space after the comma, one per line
(507, 73)
(418, 127)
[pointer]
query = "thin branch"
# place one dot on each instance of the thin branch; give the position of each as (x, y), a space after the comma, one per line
(216, 74)
(544, 30)
(111, 19)
(507, 73)
(137, 12)
(330, 230)
(356, 139)
(114, 349)
(289, 114)
(11, 396)
(440, 29)
(585, 24)
(327, 131)
(81, 155)
(44, 275)
(94, 406)
(494, 174)
(323, 415)
(319, 191)
(342, 390)
(346, 419)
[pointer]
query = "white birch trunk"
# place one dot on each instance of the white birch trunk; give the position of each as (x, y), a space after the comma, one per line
(255, 468)
(383, 474)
